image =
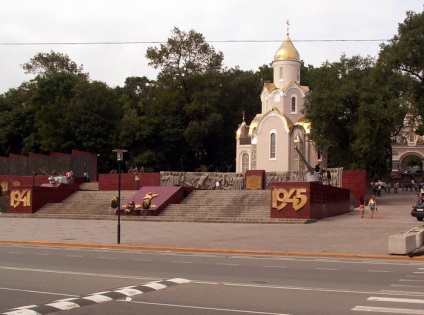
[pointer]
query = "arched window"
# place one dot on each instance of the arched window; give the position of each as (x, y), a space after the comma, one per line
(281, 73)
(276, 97)
(293, 104)
(244, 162)
(272, 145)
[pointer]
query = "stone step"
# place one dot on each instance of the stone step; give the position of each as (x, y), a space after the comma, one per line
(219, 206)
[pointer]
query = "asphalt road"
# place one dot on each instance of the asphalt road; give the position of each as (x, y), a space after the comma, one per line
(214, 283)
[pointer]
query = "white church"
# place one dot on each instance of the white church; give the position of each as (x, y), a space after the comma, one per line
(268, 142)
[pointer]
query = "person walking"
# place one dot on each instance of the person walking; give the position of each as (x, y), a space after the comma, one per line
(362, 206)
(373, 205)
(137, 180)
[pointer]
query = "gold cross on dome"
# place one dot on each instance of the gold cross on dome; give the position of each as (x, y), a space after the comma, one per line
(288, 27)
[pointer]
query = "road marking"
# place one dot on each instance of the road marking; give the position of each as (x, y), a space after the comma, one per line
(64, 272)
(32, 291)
(385, 299)
(378, 271)
(101, 257)
(139, 259)
(75, 256)
(387, 310)
(90, 299)
(326, 269)
(181, 262)
(226, 264)
(206, 308)
(15, 252)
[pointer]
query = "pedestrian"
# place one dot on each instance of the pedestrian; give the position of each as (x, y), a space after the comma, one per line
(328, 177)
(373, 205)
(362, 206)
(137, 180)
(217, 187)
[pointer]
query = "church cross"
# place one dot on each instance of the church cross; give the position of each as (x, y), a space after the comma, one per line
(288, 27)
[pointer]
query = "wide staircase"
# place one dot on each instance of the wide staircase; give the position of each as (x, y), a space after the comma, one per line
(220, 206)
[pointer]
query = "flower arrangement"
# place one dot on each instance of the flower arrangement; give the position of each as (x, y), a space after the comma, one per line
(114, 202)
(146, 204)
(129, 208)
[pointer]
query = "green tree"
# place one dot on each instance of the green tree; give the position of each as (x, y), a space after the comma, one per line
(46, 64)
(404, 54)
(354, 109)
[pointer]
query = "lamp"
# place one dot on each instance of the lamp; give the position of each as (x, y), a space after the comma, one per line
(119, 158)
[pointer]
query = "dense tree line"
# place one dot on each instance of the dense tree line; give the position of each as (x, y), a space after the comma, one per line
(186, 118)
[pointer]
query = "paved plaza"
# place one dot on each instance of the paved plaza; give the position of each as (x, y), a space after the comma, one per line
(347, 234)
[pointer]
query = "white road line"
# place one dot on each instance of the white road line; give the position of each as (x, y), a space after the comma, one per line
(15, 252)
(205, 308)
(225, 264)
(75, 256)
(382, 271)
(386, 299)
(40, 292)
(181, 262)
(387, 310)
(326, 269)
(411, 280)
(101, 257)
(139, 259)
(65, 272)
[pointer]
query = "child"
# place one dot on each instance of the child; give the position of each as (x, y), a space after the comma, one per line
(362, 206)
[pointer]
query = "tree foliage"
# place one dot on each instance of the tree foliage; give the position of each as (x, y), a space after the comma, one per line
(46, 64)
(354, 110)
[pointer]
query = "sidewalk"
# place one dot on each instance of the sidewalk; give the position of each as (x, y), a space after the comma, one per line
(348, 234)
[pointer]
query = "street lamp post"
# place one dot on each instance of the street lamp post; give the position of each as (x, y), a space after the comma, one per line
(119, 158)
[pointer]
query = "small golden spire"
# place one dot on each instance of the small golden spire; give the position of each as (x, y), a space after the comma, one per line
(288, 27)
(243, 117)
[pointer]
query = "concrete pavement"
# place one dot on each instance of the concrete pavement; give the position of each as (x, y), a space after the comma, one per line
(345, 235)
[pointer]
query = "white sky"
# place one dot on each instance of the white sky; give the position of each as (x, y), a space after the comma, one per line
(54, 21)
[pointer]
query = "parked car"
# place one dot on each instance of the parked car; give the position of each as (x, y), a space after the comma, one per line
(418, 211)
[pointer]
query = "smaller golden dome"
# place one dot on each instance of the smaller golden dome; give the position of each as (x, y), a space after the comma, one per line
(287, 51)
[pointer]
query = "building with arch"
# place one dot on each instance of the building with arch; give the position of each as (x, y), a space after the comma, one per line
(408, 146)
(268, 142)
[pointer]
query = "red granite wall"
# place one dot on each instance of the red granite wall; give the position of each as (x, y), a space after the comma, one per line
(28, 199)
(308, 200)
(110, 181)
(356, 182)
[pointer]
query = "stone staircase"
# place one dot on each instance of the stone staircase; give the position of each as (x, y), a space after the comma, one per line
(219, 206)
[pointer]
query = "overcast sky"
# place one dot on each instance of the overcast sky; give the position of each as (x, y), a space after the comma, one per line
(312, 24)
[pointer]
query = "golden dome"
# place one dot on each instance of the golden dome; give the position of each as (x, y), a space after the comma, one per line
(287, 51)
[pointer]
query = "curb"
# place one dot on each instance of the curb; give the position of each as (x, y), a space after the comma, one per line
(205, 250)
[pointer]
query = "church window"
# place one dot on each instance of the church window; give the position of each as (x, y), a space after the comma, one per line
(293, 104)
(276, 97)
(244, 162)
(298, 76)
(281, 73)
(272, 145)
